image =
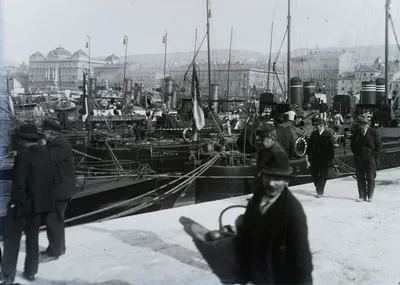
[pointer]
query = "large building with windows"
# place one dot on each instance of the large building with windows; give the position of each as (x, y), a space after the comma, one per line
(324, 69)
(59, 70)
(242, 79)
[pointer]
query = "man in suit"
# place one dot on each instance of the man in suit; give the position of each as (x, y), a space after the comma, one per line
(366, 145)
(284, 135)
(319, 155)
(64, 169)
(32, 195)
(272, 241)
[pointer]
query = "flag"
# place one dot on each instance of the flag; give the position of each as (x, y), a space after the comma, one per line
(198, 115)
(84, 111)
(164, 39)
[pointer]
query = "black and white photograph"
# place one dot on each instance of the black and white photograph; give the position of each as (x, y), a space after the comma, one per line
(199, 142)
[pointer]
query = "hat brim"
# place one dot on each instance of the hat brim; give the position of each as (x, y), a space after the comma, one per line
(287, 176)
(30, 137)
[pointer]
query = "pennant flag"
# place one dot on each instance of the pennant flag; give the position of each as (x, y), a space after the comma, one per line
(198, 114)
(84, 111)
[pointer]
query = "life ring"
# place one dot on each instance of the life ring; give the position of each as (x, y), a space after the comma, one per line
(300, 146)
(184, 135)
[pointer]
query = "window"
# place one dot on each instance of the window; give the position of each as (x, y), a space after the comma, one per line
(365, 74)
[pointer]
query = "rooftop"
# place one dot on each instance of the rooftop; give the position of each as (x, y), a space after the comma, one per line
(320, 55)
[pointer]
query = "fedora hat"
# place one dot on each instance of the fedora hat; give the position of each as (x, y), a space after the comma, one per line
(277, 166)
(29, 132)
(268, 130)
(362, 120)
(51, 125)
(318, 121)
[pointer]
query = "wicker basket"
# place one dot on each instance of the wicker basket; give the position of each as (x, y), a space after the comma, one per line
(221, 254)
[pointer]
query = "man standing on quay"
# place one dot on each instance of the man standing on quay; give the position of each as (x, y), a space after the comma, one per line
(65, 180)
(320, 154)
(366, 145)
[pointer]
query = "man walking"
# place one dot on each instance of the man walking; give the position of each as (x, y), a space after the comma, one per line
(65, 180)
(272, 241)
(32, 194)
(319, 155)
(284, 135)
(366, 145)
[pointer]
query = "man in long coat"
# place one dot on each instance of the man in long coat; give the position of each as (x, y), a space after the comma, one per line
(65, 179)
(366, 145)
(272, 241)
(32, 194)
(320, 154)
(284, 135)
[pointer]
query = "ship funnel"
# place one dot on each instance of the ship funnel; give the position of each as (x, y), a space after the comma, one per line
(368, 93)
(296, 91)
(308, 92)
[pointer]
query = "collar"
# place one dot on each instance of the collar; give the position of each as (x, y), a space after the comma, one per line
(266, 203)
(320, 132)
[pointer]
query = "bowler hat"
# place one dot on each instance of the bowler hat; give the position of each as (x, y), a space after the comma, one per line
(362, 120)
(266, 131)
(277, 166)
(318, 121)
(29, 132)
(51, 125)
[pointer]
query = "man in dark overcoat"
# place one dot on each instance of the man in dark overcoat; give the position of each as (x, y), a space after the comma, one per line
(32, 194)
(272, 242)
(320, 154)
(284, 135)
(65, 179)
(366, 145)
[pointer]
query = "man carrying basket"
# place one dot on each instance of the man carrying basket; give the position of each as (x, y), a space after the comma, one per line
(272, 239)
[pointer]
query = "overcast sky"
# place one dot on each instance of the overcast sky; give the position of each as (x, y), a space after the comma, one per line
(41, 25)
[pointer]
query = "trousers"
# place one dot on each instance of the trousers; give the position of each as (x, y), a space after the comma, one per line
(55, 229)
(12, 239)
(366, 174)
(319, 176)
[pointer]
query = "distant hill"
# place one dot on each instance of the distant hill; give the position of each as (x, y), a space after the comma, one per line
(363, 53)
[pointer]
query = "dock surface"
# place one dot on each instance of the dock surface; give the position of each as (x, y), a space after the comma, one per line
(352, 243)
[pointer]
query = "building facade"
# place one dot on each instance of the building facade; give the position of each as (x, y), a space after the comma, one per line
(59, 70)
(242, 79)
(324, 68)
(351, 82)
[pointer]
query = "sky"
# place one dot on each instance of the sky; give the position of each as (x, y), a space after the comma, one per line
(42, 25)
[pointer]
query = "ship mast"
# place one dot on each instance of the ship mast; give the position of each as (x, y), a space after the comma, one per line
(229, 64)
(288, 53)
(209, 53)
(269, 60)
(387, 52)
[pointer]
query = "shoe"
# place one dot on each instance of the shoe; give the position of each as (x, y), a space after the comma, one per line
(44, 258)
(29, 277)
(6, 279)
(369, 200)
(318, 196)
(360, 200)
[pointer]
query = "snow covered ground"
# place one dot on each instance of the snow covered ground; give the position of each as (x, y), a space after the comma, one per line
(352, 243)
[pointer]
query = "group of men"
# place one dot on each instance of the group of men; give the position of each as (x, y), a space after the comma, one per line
(43, 183)
(272, 236)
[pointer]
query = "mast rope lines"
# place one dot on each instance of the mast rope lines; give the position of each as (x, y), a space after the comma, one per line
(189, 178)
(394, 31)
(85, 155)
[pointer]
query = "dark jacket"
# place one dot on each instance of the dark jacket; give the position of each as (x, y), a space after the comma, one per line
(64, 168)
(273, 248)
(285, 139)
(33, 185)
(366, 148)
(321, 149)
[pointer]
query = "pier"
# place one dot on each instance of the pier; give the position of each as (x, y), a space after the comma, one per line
(352, 243)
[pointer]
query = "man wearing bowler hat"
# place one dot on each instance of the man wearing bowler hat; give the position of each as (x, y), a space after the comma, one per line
(284, 135)
(272, 242)
(32, 194)
(269, 146)
(320, 154)
(366, 145)
(65, 180)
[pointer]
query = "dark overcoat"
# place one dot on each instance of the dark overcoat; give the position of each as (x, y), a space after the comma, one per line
(366, 148)
(273, 248)
(285, 139)
(33, 184)
(321, 149)
(64, 168)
